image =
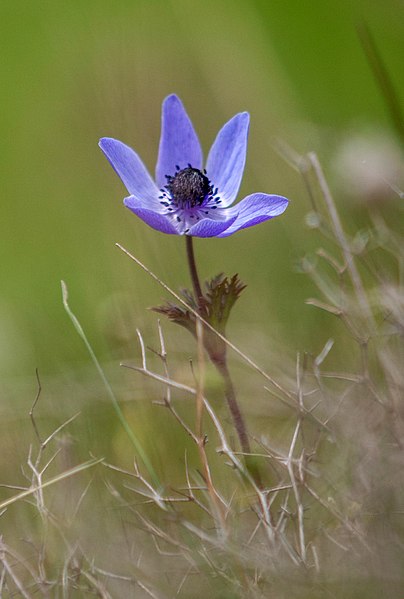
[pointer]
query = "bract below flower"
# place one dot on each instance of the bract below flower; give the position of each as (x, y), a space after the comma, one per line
(186, 198)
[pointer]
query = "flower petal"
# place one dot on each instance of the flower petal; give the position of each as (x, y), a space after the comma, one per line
(156, 220)
(255, 209)
(211, 228)
(131, 170)
(179, 144)
(226, 160)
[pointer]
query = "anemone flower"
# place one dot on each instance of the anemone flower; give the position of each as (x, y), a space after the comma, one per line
(186, 198)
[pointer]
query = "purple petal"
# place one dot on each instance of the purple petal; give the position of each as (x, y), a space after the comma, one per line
(131, 170)
(226, 160)
(179, 144)
(255, 209)
(211, 228)
(156, 220)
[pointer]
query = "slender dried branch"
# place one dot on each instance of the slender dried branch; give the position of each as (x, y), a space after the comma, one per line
(206, 324)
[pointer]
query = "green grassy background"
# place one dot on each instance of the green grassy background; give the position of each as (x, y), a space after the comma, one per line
(75, 71)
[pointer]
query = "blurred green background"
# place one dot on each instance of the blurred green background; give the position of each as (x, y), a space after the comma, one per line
(75, 71)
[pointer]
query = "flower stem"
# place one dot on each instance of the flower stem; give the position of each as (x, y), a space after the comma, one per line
(193, 271)
(219, 360)
(238, 421)
(235, 411)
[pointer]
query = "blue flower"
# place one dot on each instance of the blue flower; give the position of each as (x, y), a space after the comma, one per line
(188, 199)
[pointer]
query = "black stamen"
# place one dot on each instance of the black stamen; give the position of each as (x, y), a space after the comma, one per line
(189, 187)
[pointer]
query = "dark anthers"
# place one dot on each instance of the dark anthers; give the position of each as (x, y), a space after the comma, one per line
(189, 187)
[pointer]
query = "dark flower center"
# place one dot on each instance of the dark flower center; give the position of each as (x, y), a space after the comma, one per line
(189, 187)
